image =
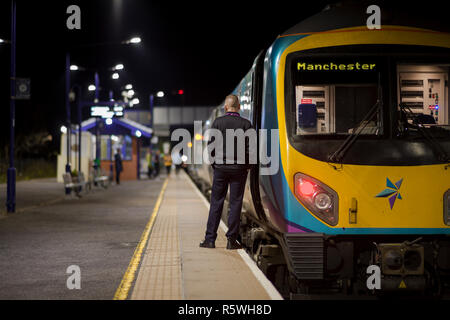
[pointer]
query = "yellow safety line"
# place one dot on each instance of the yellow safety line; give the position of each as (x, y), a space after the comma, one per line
(128, 278)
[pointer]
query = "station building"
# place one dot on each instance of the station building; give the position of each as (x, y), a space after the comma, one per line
(132, 134)
(114, 134)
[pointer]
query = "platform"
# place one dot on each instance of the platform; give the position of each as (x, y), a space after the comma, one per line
(173, 266)
(50, 232)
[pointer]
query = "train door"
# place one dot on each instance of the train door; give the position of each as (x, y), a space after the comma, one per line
(256, 107)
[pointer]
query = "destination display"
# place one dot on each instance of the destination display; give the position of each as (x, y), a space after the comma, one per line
(331, 66)
(335, 70)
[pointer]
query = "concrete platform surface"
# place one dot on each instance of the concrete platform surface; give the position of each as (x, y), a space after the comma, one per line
(98, 233)
(175, 267)
(33, 193)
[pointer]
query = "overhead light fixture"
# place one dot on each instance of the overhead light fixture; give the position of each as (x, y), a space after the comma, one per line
(63, 129)
(160, 94)
(135, 40)
(135, 101)
(74, 67)
(91, 87)
(129, 87)
(115, 76)
(119, 67)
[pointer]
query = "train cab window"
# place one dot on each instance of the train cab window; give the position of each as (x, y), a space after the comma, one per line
(332, 96)
(334, 108)
(423, 89)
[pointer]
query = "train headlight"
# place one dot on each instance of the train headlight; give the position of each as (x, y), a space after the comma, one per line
(447, 208)
(320, 199)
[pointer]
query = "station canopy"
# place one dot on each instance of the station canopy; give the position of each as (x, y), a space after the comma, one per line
(116, 126)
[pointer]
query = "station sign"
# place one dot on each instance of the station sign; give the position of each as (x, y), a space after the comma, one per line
(107, 112)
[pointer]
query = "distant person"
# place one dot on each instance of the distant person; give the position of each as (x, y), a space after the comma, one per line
(118, 165)
(168, 162)
(156, 162)
(229, 173)
(149, 165)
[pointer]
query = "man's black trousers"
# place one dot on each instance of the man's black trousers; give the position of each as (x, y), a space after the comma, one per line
(117, 176)
(222, 179)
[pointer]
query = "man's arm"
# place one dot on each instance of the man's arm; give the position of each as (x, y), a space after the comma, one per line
(212, 151)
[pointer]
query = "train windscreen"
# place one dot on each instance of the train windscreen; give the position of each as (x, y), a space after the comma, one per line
(334, 95)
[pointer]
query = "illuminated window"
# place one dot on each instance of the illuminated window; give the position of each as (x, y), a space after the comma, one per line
(110, 144)
(333, 95)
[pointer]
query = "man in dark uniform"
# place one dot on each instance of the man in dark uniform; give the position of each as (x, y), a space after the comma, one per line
(156, 162)
(227, 174)
(118, 165)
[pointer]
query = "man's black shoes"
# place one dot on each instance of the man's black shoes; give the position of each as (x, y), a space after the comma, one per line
(233, 245)
(207, 244)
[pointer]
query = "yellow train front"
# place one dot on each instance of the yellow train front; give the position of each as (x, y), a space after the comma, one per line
(363, 174)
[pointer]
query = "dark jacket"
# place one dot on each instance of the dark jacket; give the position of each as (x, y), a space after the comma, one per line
(232, 121)
(118, 162)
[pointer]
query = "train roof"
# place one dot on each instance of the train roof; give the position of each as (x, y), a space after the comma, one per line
(353, 14)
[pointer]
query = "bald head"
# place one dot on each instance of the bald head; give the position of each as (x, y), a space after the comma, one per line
(232, 103)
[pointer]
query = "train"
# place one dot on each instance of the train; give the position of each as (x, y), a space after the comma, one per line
(362, 120)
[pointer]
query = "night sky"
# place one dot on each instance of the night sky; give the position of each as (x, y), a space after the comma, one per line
(202, 47)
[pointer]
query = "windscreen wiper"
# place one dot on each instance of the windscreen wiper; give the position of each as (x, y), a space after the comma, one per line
(339, 154)
(435, 145)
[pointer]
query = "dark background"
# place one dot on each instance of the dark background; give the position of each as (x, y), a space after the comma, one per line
(202, 47)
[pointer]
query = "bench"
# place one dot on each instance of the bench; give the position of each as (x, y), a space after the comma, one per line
(75, 186)
(101, 179)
